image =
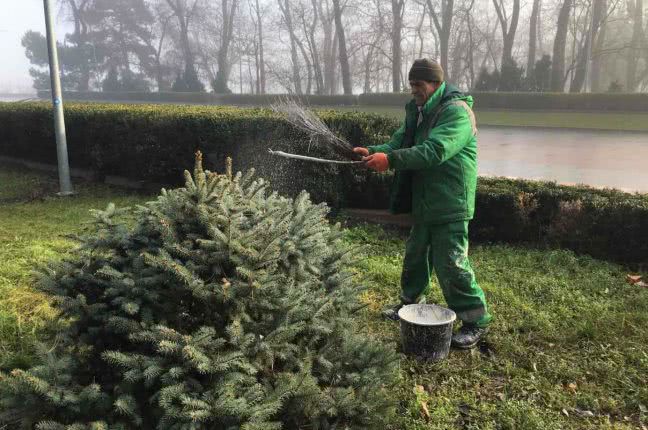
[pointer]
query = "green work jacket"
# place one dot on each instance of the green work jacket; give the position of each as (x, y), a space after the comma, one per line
(435, 162)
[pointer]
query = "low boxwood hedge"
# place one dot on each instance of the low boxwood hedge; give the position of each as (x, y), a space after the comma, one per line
(205, 98)
(156, 142)
(586, 102)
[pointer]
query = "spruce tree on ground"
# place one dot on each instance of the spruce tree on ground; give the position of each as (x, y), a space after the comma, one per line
(216, 306)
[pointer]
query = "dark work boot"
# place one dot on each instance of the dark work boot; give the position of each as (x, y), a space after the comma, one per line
(391, 311)
(468, 336)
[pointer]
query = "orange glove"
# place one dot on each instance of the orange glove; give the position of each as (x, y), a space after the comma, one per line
(378, 162)
(362, 151)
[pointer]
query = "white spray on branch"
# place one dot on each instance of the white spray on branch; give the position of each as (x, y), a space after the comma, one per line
(306, 121)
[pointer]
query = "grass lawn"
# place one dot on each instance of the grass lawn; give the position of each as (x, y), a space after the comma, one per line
(585, 120)
(568, 348)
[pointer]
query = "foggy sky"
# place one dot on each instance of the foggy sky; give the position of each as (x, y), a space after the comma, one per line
(16, 18)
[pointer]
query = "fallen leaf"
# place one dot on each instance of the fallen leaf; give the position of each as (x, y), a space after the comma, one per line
(564, 411)
(633, 279)
(584, 413)
(500, 396)
(572, 387)
(426, 411)
(419, 390)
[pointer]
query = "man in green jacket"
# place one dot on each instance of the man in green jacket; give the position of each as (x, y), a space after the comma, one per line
(434, 155)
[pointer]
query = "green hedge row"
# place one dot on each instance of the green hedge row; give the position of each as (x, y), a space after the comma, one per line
(600, 102)
(155, 143)
(606, 224)
(205, 98)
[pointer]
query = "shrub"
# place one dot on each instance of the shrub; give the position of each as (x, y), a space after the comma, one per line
(149, 142)
(146, 143)
(216, 306)
(485, 98)
(603, 223)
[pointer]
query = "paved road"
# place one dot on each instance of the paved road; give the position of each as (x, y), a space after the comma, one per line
(596, 158)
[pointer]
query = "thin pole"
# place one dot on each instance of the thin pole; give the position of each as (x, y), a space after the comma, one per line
(313, 159)
(57, 102)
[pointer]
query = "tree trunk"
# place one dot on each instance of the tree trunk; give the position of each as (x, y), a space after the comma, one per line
(597, 57)
(261, 62)
(367, 69)
(398, 7)
(334, 75)
(227, 31)
(309, 68)
(284, 5)
(558, 62)
(533, 39)
(585, 53)
(329, 47)
(443, 27)
(344, 57)
(159, 76)
(508, 29)
(317, 65)
(635, 10)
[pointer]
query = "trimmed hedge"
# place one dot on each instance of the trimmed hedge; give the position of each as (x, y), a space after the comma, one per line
(155, 143)
(598, 102)
(603, 223)
(208, 98)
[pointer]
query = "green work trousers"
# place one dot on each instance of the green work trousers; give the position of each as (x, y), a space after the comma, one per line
(443, 248)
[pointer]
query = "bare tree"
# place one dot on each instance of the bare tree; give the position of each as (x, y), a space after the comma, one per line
(443, 25)
(398, 8)
(585, 52)
(227, 29)
(635, 12)
(160, 26)
(284, 5)
(560, 41)
(79, 9)
(184, 13)
(509, 28)
(258, 51)
(468, 45)
(329, 55)
(596, 52)
(533, 39)
(310, 30)
(344, 57)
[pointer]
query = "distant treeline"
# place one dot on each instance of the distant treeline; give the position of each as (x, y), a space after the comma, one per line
(583, 102)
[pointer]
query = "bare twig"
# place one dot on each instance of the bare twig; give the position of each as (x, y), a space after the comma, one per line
(308, 122)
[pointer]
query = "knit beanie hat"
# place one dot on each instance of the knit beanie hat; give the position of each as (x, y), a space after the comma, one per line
(426, 70)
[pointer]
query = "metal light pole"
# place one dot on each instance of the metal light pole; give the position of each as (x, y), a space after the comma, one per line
(57, 101)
